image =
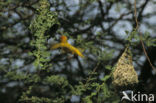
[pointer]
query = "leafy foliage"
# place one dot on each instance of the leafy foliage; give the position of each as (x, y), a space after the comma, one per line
(32, 73)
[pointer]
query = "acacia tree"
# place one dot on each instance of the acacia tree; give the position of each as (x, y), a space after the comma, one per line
(106, 31)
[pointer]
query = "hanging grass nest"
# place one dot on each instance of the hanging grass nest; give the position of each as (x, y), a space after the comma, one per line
(124, 74)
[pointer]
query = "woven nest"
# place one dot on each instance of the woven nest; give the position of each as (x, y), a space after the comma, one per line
(124, 73)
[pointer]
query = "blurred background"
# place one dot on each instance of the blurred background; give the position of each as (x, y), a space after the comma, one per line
(100, 28)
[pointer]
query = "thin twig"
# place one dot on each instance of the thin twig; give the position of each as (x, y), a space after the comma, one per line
(94, 70)
(137, 26)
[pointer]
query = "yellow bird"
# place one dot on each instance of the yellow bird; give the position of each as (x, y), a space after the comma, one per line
(64, 44)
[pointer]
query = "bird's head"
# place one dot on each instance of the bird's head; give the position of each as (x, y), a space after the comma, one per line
(63, 39)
